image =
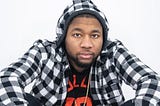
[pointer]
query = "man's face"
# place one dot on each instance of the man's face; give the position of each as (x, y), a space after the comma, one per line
(83, 41)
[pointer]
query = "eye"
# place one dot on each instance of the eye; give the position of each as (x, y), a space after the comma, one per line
(95, 36)
(76, 35)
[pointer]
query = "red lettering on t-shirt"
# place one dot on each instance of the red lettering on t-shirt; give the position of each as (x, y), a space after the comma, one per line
(82, 83)
(79, 85)
(74, 84)
(74, 81)
(78, 101)
(81, 100)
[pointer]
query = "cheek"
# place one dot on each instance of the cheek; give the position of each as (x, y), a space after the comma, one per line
(70, 46)
(98, 46)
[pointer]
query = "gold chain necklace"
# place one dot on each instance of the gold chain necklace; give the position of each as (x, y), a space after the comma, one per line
(87, 92)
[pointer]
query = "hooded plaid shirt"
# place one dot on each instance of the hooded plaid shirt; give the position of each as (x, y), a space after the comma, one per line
(46, 62)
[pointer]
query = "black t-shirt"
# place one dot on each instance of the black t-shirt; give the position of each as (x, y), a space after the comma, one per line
(77, 88)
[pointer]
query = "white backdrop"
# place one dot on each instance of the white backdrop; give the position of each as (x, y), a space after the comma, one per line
(135, 22)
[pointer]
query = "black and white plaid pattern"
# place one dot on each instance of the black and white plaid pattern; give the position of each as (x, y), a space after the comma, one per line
(47, 66)
(46, 62)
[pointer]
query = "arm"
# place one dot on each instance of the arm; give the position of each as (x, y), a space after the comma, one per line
(139, 76)
(15, 77)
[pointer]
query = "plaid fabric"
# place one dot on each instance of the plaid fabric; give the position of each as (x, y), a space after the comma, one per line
(46, 62)
(47, 66)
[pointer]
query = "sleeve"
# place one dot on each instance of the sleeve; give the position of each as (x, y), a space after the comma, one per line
(139, 76)
(16, 76)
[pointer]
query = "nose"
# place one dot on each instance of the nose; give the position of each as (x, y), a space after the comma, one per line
(86, 42)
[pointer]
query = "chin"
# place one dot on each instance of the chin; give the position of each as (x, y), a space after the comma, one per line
(84, 64)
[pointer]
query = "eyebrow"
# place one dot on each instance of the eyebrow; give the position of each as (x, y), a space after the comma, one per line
(96, 31)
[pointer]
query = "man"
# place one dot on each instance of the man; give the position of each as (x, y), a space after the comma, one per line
(82, 67)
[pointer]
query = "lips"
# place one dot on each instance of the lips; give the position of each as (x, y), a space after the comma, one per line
(86, 55)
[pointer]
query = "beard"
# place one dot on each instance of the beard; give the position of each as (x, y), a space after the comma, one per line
(76, 61)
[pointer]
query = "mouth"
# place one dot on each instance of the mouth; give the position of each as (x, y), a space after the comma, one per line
(86, 55)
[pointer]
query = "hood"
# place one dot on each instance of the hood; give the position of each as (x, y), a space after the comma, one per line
(78, 7)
